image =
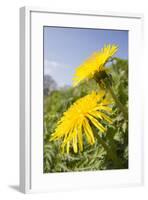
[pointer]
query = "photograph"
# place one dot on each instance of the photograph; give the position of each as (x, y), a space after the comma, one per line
(85, 99)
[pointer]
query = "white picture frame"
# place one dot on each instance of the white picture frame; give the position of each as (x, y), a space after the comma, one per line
(32, 178)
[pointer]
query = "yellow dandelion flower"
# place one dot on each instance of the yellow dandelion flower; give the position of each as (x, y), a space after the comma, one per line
(75, 122)
(94, 64)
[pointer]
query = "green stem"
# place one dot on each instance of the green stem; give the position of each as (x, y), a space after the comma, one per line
(117, 162)
(107, 83)
(118, 102)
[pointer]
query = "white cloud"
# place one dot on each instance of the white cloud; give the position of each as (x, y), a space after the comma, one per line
(50, 66)
(60, 72)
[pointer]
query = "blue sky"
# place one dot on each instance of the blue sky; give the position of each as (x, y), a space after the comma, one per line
(67, 48)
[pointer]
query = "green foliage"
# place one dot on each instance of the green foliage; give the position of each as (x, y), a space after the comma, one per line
(97, 156)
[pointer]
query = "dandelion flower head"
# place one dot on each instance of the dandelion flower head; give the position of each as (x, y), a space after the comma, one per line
(94, 64)
(78, 120)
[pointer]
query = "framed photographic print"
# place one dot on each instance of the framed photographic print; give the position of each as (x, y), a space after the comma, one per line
(81, 120)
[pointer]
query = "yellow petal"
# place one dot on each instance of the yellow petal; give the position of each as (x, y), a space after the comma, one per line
(107, 118)
(106, 108)
(80, 138)
(88, 131)
(96, 114)
(96, 123)
(75, 148)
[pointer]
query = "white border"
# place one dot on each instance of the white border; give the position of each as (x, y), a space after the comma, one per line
(31, 79)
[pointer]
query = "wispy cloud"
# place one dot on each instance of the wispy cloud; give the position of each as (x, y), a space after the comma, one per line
(50, 66)
(60, 72)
